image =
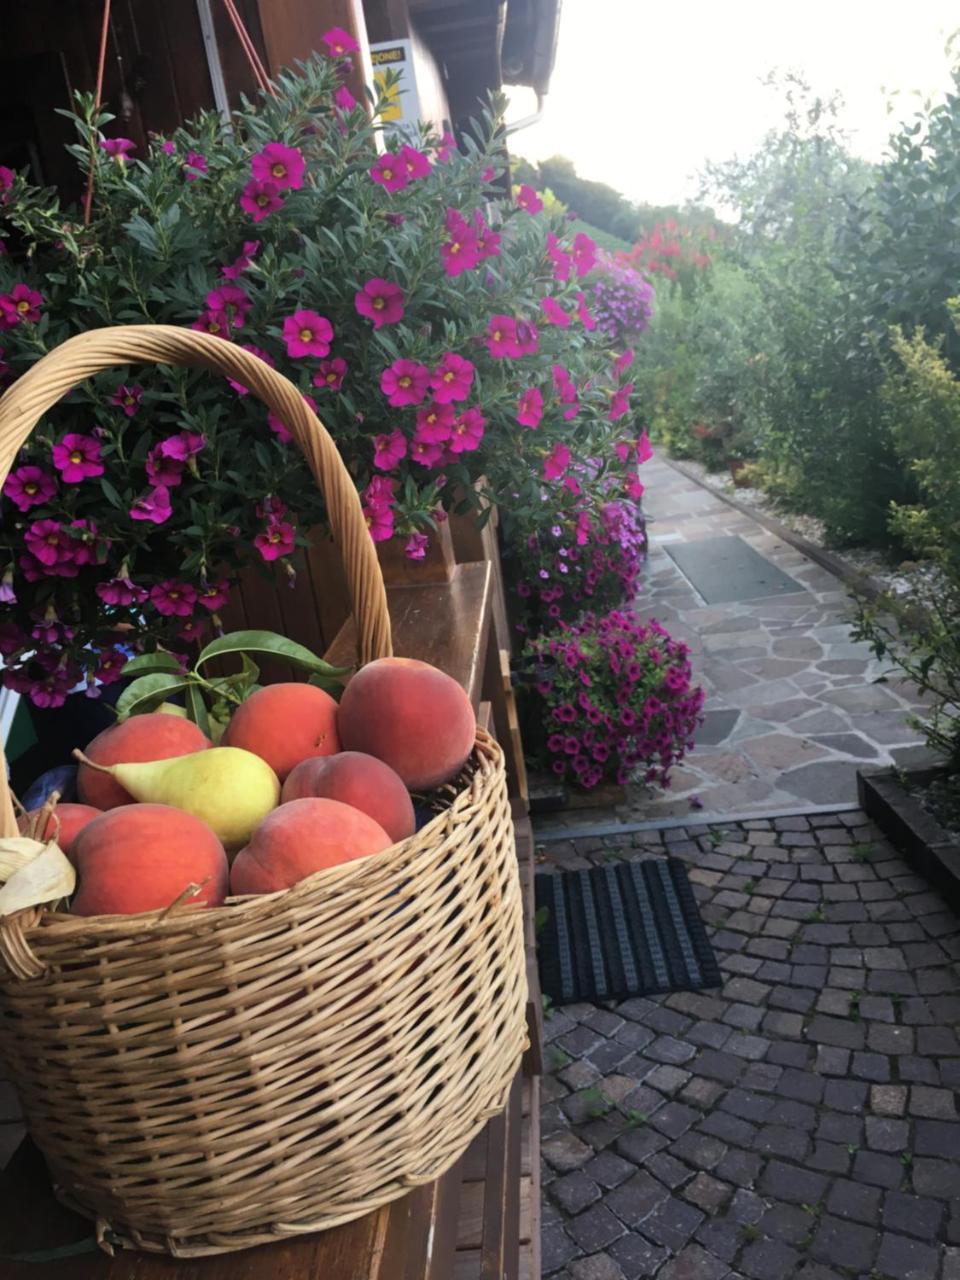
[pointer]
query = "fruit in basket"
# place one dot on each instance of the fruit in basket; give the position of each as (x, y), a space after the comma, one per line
(142, 857)
(135, 741)
(359, 780)
(300, 838)
(229, 789)
(72, 819)
(284, 724)
(411, 715)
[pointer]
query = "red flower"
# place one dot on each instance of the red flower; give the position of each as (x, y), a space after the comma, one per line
(452, 378)
(405, 382)
(331, 375)
(528, 199)
(280, 165)
(260, 199)
(77, 458)
(391, 172)
(380, 301)
(307, 334)
(339, 42)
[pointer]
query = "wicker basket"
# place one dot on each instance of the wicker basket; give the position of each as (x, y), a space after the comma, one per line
(207, 1080)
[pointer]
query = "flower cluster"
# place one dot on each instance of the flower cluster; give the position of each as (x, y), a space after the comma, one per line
(618, 699)
(621, 300)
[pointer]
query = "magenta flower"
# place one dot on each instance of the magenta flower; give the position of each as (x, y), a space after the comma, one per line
(380, 301)
(339, 43)
(307, 334)
(120, 592)
(214, 595)
(425, 453)
(163, 471)
(448, 144)
(168, 148)
(391, 172)
(236, 268)
(418, 164)
(278, 539)
(173, 598)
(561, 260)
(77, 458)
(230, 301)
(331, 374)
(345, 99)
(265, 356)
(620, 402)
(528, 199)
(502, 337)
(405, 382)
(260, 199)
(623, 362)
(128, 399)
(183, 446)
(388, 449)
(7, 593)
(566, 391)
(467, 431)
(434, 424)
(379, 521)
(554, 313)
(586, 319)
(488, 241)
(21, 305)
(6, 179)
(48, 543)
(644, 450)
(110, 664)
(452, 378)
(416, 546)
(530, 408)
(462, 251)
(556, 462)
(29, 487)
(280, 165)
(195, 166)
(155, 506)
(633, 487)
(118, 148)
(584, 253)
(527, 338)
(214, 322)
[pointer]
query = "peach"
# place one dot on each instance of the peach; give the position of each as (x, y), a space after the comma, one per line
(141, 738)
(72, 818)
(410, 715)
(284, 724)
(359, 780)
(142, 857)
(300, 838)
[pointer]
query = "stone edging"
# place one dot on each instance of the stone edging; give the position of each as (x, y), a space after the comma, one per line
(915, 832)
(863, 584)
(695, 819)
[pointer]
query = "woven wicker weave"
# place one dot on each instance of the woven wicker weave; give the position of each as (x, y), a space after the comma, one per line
(206, 1080)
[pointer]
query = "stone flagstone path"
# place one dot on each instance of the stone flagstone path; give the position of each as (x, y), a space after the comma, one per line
(799, 1123)
(792, 705)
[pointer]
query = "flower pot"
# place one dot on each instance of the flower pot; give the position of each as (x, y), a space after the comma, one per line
(737, 466)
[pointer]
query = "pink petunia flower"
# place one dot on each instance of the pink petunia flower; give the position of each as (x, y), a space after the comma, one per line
(183, 446)
(236, 268)
(120, 592)
(213, 322)
(528, 199)
(434, 423)
(307, 334)
(427, 454)
(530, 408)
(162, 471)
(488, 240)
(128, 399)
(584, 253)
(633, 488)
(554, 313)
(168, 148)
(280, 165)
(110, 664)
(623, 362)
(278, 539)
(260, 199)
(527, 338)
(380, 301)
(452, 378)
(418, 164)
(644, 449)
(339, 43)
(20, 306)
(6, 179)
(29, 487)
(154, 506)
(461, 252)
(556, 462)
(448, 145)
(118, 148)
(229, 300)
(379, 521)
(566, 390)
(265, 356)
(620, 402)
(214, 595)
(416, 546)
(562, 262)
(48, 543)
(345, 99)
(586, 319)
(405, 382)
(331, 374)
(195, 166)
(391, 172)
(77, 458)
(173, 598)
(502, 337)
(467, 431)
(388, 450)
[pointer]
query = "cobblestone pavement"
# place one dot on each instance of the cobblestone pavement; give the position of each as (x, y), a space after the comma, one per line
(792, 706)
(799, 1122)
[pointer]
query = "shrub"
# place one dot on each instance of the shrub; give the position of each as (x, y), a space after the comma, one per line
(611, 700)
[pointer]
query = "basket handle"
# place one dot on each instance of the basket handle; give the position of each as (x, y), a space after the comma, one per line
(24, 403)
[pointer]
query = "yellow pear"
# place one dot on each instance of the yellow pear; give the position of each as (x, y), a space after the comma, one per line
(229, 789)
(171, 709)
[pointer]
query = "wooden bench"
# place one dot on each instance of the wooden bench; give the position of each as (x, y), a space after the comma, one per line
(480, 1221)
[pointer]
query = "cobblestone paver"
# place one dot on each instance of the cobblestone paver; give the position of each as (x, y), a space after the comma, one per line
(799, 1122)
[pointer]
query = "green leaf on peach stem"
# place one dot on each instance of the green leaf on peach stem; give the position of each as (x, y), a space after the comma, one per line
(269, 642)
(147, 693)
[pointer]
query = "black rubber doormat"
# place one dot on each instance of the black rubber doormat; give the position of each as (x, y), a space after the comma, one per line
(626, 929)
(725, 570)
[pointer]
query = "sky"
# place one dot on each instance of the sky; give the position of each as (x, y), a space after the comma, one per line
(644, 92)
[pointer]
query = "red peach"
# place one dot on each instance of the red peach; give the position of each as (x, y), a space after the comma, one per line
(300, 838)
(359, 780)
(410, 715)
(142, 857)
(284, 724)
(135, 741)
